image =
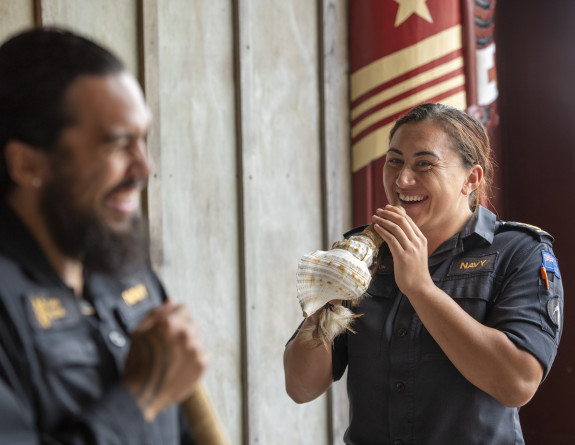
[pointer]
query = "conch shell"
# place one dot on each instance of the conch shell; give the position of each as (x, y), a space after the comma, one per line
(341, 273)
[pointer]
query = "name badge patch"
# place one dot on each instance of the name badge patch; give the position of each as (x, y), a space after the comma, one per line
(550, 263)
(463, 266)
(138, 297)
(135, 294)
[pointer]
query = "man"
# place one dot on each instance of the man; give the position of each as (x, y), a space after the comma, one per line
(91, 349)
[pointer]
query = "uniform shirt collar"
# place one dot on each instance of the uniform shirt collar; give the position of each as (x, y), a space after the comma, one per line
(479, 228)
(482, 224)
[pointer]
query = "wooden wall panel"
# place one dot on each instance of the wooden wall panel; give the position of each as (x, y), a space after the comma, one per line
(278, 56)
(250, 142)
(113, 23)
(336, 159)
(199, 186)
(15, 15)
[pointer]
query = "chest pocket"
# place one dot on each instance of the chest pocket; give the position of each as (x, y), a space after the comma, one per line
(473, 292)
(70, 348)
(67, 350)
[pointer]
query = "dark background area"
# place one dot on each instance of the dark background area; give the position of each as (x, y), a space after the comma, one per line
(536, 144)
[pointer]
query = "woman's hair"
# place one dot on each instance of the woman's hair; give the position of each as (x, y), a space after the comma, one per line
(36, 69)
(469, 135)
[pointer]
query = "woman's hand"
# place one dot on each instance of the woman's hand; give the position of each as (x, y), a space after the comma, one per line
(408, 247)
(485, 356)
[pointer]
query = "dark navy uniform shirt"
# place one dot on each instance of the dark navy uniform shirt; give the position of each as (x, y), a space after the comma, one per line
(61, 358)
(402, 388)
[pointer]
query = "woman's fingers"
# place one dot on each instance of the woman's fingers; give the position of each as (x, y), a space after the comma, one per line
(396, 223)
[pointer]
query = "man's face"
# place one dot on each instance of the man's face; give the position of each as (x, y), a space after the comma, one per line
(98, 170)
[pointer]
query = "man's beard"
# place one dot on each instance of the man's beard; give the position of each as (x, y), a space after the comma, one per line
(85, 236)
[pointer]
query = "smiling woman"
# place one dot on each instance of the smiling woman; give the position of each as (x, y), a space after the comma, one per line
(461, 321)
(431, 169)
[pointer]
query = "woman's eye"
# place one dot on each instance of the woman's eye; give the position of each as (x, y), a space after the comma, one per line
(424, 165)
(394, 162)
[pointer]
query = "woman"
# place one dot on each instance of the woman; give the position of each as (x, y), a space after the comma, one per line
(461, 320)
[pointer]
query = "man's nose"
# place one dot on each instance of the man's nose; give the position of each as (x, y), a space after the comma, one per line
(142, 164)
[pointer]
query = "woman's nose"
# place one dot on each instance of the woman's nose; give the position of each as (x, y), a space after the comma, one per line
(405, 177)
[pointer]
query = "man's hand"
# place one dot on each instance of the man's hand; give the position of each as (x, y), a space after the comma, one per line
(165, 361)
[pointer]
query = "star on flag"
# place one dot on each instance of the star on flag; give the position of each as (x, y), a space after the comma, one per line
(409, 7)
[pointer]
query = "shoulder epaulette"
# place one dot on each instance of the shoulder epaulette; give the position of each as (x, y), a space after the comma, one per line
(355, 231)
(535, 231)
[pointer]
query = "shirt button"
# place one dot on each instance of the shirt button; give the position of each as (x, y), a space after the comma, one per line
(117, 339)
(401, 332)
(400, 387)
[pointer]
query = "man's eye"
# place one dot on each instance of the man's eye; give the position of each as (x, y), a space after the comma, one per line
(117, 144)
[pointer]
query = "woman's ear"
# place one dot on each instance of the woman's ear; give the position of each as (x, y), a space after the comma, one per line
(474, 178)
(27, 166)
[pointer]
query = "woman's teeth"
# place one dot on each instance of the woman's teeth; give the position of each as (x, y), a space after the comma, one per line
(411, 198)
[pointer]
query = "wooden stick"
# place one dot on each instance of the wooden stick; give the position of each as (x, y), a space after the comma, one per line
(203, 419)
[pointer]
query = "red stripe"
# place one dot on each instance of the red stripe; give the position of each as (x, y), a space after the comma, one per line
(368, 191)
(378, 193)
(395, 116)
(406, 94)
(434, 63)
(362, 196)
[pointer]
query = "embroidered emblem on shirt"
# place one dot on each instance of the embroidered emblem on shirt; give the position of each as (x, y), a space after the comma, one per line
(554, 310)
(550, 263)
(475, 264)
(49, 310)
(135, 294)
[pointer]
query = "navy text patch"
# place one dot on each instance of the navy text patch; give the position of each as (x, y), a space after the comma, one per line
(462, 266)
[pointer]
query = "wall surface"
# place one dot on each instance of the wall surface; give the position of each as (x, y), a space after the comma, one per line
(536, 68)
(250, 144)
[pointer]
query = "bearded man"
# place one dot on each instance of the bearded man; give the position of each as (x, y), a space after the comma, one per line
(91, 349)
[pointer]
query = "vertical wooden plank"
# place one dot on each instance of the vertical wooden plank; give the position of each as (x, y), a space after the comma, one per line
(278, 77)
(15, 16)
(336, 160)
(149, 77)
(239, 106)
(199, 186)
(334, 77)
(110, 22)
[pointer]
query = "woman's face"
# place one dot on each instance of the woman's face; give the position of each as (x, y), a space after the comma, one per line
(425, 175)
